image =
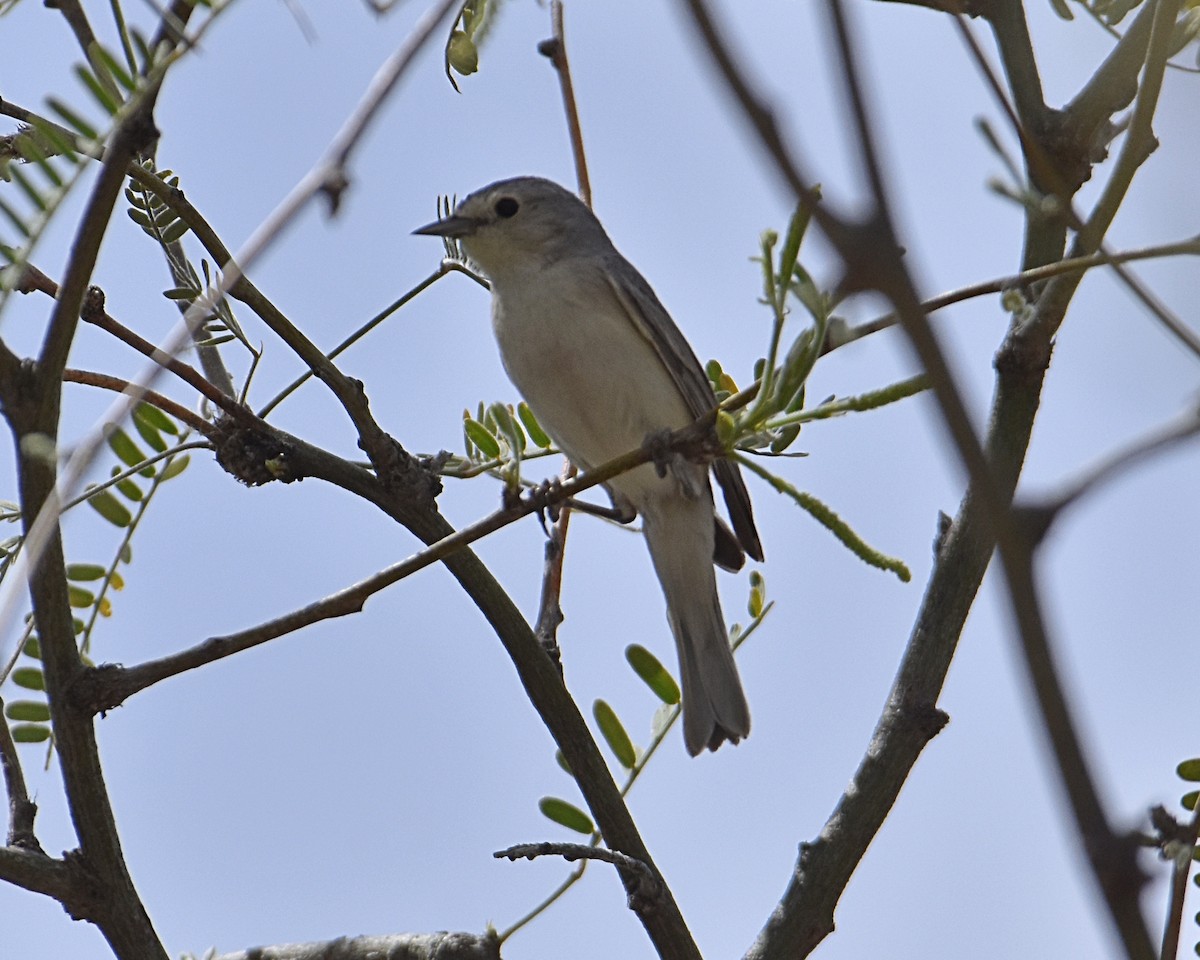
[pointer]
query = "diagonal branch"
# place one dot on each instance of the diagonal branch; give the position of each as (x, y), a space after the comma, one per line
(108, 686)
(805, 915)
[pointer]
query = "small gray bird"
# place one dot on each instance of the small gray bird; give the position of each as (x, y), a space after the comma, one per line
(603, 366)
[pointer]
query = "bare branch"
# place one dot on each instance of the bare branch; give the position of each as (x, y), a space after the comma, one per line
(1039, 515)
(21, 810)
(584, 851)
(410, 946)
(556, 50)
(107, 686)
(117, 385)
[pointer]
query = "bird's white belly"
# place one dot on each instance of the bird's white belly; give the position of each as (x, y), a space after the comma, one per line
(594, 382)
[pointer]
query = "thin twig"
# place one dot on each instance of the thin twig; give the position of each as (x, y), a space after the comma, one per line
(575, 851)
(21, 811)
(34, 280)
(134, 470)
(1183, 427)
(1048, 174)
(117, 385)
(357, 335)
(550, 606)
(1183, 859)
(1015, 281)
(556, 50)
(328, 177)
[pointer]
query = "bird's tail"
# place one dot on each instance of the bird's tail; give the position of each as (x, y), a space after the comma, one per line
(679, 533)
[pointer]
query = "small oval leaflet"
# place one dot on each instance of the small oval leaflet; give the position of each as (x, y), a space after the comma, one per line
(566, 815)
(615, 734)
(84, 571)
(647, 666)
(30, 733)
(110, 508)
(28, 711)
(29, 677)
(478, 434)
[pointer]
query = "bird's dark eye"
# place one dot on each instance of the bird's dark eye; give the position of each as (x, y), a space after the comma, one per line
(507, 207)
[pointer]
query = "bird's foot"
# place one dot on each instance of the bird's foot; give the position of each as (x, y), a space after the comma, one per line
(667, 460)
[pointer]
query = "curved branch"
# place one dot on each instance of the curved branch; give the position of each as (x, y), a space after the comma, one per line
(181, 413)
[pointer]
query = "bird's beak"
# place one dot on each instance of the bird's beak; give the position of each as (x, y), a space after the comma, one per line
(454, 227)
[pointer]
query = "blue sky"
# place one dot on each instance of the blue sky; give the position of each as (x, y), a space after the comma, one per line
(356, 777)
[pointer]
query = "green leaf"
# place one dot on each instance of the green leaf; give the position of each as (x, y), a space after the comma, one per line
(562, 762)
(174, 231)
(79, 597)
(615, 734)
(156, 418)
(27, 710)
(1188, 800)
(30, 733)
(58, 141)
(647, 666)
(1189, 770)
(102, 95)
(141, 218)
(85, 571)
(14, 218)
(462, 54)
(110, 508)
(72, 119)
(116, 69)
(713, 371)
(785, 438)
(791, 246)
(832, 522)
(150, 434)
(532, 427)
(481, 437)
(32, 193)
(508, 426)
(566, 815)
(32, 648)
(757, 595)
(175, 467)
(186, 294)
(31, 678)
(126, 450)
(1061, 8)
(130, 490)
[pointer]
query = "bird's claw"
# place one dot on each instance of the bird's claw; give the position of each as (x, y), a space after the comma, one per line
(538, 498)
(667, 460)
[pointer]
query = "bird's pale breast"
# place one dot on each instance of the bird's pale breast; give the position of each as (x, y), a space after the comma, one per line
(594, 382)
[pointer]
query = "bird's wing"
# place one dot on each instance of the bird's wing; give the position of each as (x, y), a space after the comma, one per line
(651, 319)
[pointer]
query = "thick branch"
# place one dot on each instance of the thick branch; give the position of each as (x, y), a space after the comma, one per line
(107, 686)
(31, 404)
(399, 946)
(64, 880)
(538, 674)
(805, 914)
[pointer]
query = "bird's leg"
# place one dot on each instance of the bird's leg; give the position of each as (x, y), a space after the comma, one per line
(538, 498)
(619, 512)
(666, 460)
